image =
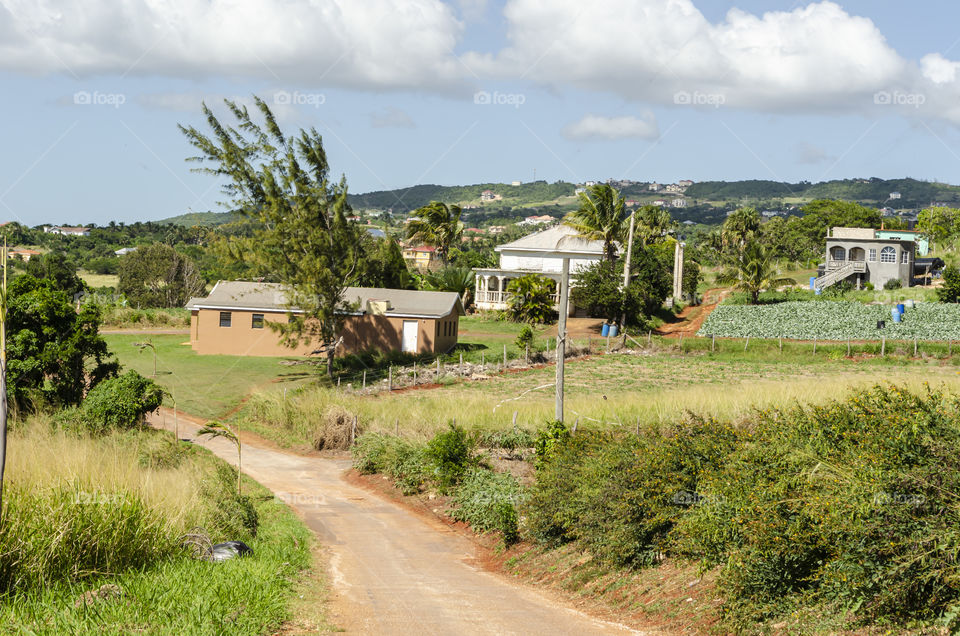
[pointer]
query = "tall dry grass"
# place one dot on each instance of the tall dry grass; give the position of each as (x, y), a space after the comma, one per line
(418, 415)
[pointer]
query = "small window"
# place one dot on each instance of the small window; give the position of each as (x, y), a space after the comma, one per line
(905, 256)
(256, 322)
(225, 318)
(888, 255)
(873, 255)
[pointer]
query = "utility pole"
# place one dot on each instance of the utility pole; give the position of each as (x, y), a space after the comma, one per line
(562, 336)
(626, 268)
(678, 271)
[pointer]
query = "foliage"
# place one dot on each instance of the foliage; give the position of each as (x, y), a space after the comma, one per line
(525, 337)
(117, 403)
(404, 461)
(158, 276)
(832, 320)
(600, 217)
(451, 279)
(620, 496)
(61, 273)
(939, 223)
(950, 292)
(550, 438)
(55, 353)
(652, 225)
(531, 298)
(304, 239)
(893, 283)
(381, 264)
(851, 504)
(488, 501)
(450, 454)
(598, 290)
(740, 228)
(753, 270)
(437, 225)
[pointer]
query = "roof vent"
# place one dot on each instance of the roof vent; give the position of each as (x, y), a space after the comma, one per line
(378, 307)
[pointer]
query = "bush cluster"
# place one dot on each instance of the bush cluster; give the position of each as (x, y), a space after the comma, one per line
(488, 501)
(116, 404)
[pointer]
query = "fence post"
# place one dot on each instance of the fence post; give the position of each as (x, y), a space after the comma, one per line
(577, 421)
(848, 347)
(514, 421)
(414, 372)
(950, 348)
(438, 370)
(396, 427)
(883, 346)
(461, 364)
(390, 379)
(713, 343)
(364, 378)
(746, 344)
(638, 426)
(681, 342)
(353, 431)
(608, 345)
(526, 355)
(814, 345)
(483, 361)
(914, 347)
(338, 381)
(780, 343)
(649, 338)
(504, 357)
(589, 343)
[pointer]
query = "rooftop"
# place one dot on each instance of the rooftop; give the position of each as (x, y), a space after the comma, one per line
(559, 238)
(273, 297)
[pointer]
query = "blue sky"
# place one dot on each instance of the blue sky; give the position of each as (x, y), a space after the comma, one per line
(469, 91)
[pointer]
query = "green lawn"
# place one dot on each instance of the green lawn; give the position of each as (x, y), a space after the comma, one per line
(207, 386)
(98, 280)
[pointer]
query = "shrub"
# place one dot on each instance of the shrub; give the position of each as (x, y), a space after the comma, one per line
(849, 503)
(524, 338)
(548, 440)
(950, 292)
(119, 403)
(893, 283)
(450, 453)
(488, 502)
(398, 458)
(508, 439)
(232, 516)
(532, 298)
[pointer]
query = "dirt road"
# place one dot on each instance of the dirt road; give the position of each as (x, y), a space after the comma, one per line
(390, 571)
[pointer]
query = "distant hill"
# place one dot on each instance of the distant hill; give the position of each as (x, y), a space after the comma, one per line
(913, 193)
(407, 199)
(202, 218)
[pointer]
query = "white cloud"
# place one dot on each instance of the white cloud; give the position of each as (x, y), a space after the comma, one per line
(391, 118)
(609, 128)
(378, 44)
(812, 57)
(939, 69)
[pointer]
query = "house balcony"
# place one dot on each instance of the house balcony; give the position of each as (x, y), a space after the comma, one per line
(500, 300)
(859, 267)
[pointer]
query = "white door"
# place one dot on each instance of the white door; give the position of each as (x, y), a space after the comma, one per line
(410, 330)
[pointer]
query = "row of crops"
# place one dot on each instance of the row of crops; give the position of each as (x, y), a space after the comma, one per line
(805, 320)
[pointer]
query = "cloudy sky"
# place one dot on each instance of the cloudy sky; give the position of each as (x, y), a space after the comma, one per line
(468, 91)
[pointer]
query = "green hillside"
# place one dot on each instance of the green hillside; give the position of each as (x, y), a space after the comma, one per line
(914, 193)
(202, 218)
(406, 199)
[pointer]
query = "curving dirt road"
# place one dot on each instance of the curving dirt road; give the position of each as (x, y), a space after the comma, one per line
(390, 571)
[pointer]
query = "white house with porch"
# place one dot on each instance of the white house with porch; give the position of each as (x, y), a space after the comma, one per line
(540, 253)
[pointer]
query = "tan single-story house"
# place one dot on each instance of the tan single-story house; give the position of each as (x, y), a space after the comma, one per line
(233, 319)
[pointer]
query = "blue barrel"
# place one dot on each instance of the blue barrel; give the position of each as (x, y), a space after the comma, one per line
(901, 308)
(613, 331)
(605, 329)
(895, 315)
(813, 281)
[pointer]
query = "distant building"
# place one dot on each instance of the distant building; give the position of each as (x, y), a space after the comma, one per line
(537, 220)
(123, 251)
(894, 195)
(679, 203)
(921, 240)
(860, 254)
(496, 229)
(590, 184)
(674, 187)
(654, 187)
(66, 230)
(660, 203)
(490, 195)
(686, 183)
(579, 190)
(514, 183)
(630, 203)
(22, 254)
(421, 257)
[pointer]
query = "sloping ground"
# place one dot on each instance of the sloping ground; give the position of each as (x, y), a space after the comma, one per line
(691, 318)
(391, 571)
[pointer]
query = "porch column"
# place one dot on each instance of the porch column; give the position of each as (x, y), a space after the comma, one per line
(486, 288)
(476, 288)
(502, 287)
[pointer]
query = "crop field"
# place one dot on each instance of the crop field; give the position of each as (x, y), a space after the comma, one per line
(827, 320)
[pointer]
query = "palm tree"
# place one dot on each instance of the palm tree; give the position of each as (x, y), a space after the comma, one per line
(653, 224)
(753, 270)
(742, 225)
(438, 225)
(451, 279)
(600, 217)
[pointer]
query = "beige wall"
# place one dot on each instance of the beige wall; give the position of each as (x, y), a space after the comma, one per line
(359, 333)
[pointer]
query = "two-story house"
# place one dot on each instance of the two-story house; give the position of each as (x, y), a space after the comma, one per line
(860, 255)
(540, 253)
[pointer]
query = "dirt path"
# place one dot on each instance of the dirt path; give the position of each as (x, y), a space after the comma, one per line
(391, 571)
(691, 318)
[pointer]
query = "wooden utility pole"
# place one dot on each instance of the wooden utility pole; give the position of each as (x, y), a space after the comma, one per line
(562, 336)
(626, 268)
(3, 373)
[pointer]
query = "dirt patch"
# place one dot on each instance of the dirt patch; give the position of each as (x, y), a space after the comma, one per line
(691, 317)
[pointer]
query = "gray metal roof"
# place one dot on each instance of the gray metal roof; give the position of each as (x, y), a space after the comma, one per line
(559, 238)
(273, 297)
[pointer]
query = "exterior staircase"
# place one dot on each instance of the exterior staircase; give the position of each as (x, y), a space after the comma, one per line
(838, 273)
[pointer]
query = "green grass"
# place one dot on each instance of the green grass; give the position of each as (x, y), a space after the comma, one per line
(98, 280)
(208, 386)
(181, 595)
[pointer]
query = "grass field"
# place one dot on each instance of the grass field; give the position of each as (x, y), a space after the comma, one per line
(98, 280)
(207, 386)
